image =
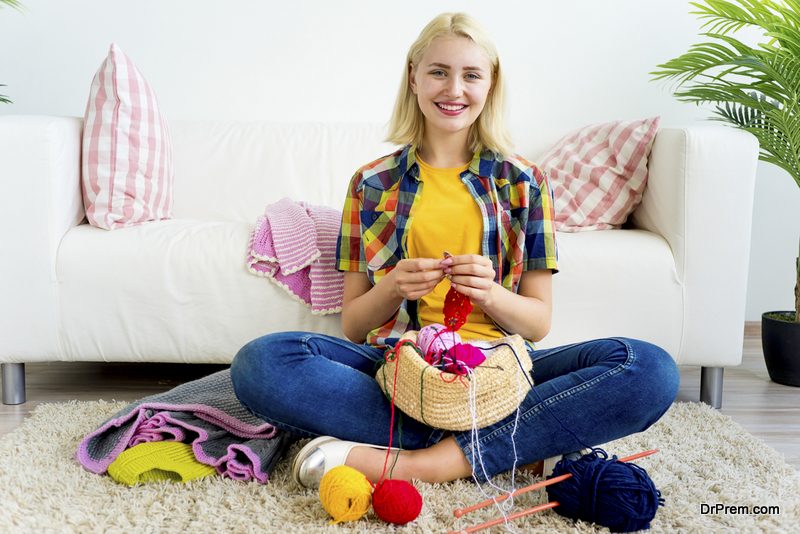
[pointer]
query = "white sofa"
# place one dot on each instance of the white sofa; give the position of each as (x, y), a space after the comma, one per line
(178, 290)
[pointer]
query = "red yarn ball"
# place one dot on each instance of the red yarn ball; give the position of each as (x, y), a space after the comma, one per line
(396, 501)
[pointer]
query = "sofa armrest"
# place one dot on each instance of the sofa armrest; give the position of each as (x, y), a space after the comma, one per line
(699, 197)
(40, 170)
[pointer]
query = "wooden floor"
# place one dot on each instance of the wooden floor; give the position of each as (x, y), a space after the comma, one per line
(768, 410)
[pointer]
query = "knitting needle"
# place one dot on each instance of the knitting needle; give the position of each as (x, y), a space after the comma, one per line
(446, 255)
(512, 517)
(459, 512)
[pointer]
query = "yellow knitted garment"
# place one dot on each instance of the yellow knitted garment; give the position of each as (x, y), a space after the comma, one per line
(156, 461)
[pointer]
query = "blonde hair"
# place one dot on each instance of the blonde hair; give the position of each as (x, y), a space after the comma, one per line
(407, 124)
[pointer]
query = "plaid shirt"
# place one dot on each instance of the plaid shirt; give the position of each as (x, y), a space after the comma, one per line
(514, 198)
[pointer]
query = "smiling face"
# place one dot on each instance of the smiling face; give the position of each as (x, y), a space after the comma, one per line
(451, 82)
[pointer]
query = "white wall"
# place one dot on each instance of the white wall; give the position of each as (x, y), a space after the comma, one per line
(568, 63)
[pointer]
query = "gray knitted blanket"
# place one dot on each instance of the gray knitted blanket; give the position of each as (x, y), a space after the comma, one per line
(204, 413)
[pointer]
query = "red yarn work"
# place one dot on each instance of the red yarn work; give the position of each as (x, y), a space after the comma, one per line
(457, 308)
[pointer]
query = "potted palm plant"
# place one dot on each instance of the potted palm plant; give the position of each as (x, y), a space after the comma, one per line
(756, 89)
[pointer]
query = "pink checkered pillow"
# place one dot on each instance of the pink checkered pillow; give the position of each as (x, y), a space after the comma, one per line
(127, 153)
(598, 173)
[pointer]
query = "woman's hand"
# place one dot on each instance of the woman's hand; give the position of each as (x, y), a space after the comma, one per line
(471, 275)
(412, 279)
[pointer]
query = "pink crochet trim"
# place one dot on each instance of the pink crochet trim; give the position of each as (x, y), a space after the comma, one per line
(294, 245)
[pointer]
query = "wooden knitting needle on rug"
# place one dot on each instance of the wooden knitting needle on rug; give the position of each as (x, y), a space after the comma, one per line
(512, 517)
(459, 512)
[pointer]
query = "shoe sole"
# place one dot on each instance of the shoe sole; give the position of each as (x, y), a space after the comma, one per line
(549, 464)
(307, 449)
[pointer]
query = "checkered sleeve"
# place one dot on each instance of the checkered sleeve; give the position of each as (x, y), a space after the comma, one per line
(540, 235)
(349, 247)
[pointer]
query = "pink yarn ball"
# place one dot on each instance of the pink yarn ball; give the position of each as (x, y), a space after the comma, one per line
(433, 340)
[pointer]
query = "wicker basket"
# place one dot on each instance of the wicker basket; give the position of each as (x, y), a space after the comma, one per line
(442, 400)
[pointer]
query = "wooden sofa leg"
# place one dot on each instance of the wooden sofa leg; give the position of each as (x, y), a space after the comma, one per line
(13, 383)
(711, 386)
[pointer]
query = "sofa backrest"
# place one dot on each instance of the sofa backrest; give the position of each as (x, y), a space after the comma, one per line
(229, 171)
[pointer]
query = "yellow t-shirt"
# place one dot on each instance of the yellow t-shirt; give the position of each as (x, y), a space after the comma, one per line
(446, 217)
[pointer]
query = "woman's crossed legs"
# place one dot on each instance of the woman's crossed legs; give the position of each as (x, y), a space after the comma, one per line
(312, 384)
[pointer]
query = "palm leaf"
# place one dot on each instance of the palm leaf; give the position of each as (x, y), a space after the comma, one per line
(726, 17)
(791, 16)
(699, 59)
(12, 3)
(786, 37)
(777, 131)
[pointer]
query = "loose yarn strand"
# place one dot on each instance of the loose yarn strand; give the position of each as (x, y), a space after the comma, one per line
(473, 408)
(508, 503)
(392, 353)
(514, 435)
(477, 455)
(399, 443)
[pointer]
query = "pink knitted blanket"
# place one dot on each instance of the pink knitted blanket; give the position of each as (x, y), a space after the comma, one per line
(294, 245)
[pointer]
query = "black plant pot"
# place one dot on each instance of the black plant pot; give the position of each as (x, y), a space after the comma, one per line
(781, 343)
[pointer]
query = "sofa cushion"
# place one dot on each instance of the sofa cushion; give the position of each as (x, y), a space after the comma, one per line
(616, 283)
(179, 291)
(172, 291)
(598, 173)
(127, 153)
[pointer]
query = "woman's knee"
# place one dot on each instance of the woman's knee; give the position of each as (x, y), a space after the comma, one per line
(254, 366)
(657, 375)
(251, 357)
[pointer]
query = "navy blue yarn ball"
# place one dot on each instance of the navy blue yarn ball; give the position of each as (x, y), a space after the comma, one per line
(614, 494)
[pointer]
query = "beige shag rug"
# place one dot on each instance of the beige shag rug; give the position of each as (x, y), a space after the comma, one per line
(705, 458)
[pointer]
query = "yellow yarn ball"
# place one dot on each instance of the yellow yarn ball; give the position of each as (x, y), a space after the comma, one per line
(345, 493)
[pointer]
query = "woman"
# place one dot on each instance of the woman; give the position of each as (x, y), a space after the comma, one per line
(454, 186)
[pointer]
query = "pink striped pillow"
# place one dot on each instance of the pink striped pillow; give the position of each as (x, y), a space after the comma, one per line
(598, 173)
(127, 153)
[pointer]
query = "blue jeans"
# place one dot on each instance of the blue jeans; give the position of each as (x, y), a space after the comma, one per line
(312, 384)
